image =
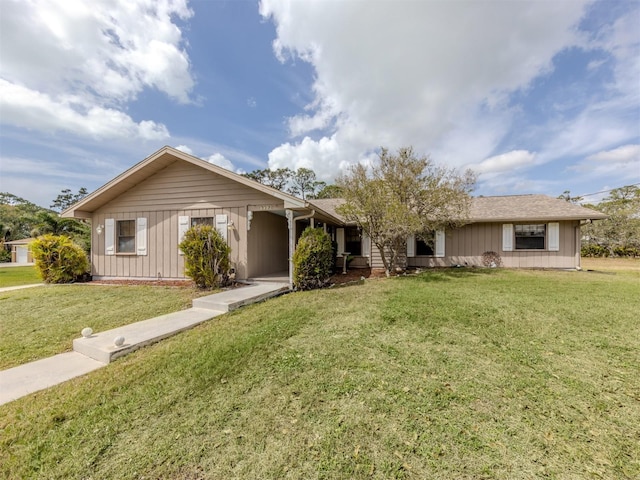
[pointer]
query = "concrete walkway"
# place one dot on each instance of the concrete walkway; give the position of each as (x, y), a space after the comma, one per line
(20, 287)
(99, 349)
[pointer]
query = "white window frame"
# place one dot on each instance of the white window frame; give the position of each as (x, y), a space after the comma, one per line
(139, 237)
(545, 245)
(551, 238)
(439, 240)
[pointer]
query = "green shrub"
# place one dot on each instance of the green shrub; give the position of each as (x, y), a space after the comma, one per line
(594, 250)
(312, 260)
(58, 259)
(206, 257)
(626, 252)
(5, 255)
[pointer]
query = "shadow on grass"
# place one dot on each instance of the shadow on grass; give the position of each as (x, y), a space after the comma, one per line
(447, 274)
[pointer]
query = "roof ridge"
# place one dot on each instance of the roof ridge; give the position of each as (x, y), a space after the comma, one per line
(515, 195)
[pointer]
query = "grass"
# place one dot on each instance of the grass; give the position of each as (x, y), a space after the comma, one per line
(451, 374)
(14, 276)
(611, 264)
(43, 321)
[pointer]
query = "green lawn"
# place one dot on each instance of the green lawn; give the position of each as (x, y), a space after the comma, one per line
(43, 321)
(13, 276)
(461, 374)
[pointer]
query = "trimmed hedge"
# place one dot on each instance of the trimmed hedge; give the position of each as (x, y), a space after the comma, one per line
(59, 259)
(312, 260)
(206, 257)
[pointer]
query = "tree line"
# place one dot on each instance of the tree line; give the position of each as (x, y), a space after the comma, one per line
(20, 218)
(618, 235)
(302, 182)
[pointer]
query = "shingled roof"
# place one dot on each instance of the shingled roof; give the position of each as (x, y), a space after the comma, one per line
(329, 205)
(511, 208)
(528, 208)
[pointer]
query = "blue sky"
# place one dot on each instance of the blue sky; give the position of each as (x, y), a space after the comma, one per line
(535, 96)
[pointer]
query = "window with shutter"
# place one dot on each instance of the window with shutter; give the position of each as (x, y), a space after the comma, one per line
(530, 237)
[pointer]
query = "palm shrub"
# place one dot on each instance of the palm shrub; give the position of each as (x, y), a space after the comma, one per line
(59, 259)
(206, 257)
(312, 260)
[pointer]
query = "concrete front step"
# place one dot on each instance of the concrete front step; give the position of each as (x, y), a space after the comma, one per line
(238, 297)
(101, 347)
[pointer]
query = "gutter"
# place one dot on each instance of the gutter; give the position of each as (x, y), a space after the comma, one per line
(304, 217)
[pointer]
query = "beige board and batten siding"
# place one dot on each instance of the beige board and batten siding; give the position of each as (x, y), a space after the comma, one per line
(465, 246)
(180, 189)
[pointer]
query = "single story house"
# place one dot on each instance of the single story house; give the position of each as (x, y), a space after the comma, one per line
(20, 251)
(139, 218)
(527, 231)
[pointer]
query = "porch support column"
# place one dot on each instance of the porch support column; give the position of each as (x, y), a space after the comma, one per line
(292, 243)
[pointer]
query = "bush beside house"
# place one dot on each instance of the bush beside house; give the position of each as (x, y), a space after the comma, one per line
(313, 260)
(206, 257)
(58, 259)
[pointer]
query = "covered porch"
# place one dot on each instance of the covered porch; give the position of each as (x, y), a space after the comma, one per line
(272, 237)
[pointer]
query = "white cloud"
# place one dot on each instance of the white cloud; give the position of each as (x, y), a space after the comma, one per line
(217, 158)
(185, 149)
(620, 155)
(106, 53)
(30, 109)
(622, 41)
(506, 162)
(221, 161)
(622, 163)
(414, 73)
(326, 156)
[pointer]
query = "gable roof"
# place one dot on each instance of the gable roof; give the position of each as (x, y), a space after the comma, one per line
(511, 208)
(153, 164)
(329, 205)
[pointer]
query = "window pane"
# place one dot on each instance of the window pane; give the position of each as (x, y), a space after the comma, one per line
(353, 241)
(126, 236)
(530, 237)
(126, 244)
(202, 221)
(423, 248)
(126, 228)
